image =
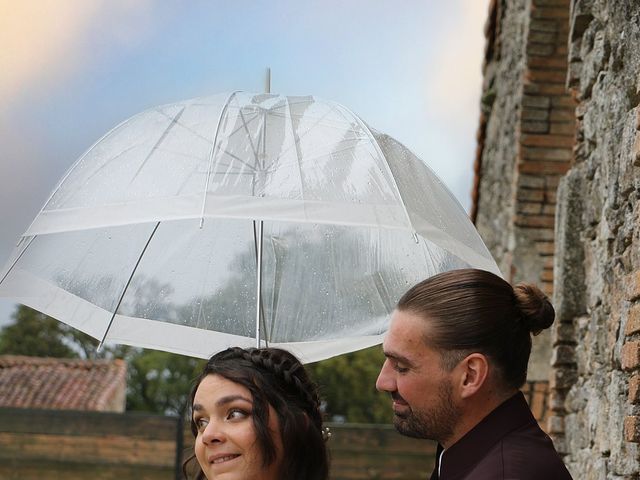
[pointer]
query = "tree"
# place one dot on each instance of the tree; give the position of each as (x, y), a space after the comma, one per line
(347, 385)
(35, 334)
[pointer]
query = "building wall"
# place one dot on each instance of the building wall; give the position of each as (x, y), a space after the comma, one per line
(526, 135)
(569, 147)
(594, 385)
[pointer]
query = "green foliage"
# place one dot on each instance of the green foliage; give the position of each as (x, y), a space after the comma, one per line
(160, 382)
(38, 335)
(347, 384)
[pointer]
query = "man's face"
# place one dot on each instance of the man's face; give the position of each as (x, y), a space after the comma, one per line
(422, 391)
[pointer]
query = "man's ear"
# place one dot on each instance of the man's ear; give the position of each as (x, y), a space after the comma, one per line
(473, 374)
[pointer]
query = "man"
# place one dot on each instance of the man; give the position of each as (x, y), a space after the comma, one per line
(456, 356)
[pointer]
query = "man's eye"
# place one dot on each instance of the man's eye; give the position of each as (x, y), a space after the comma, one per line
(400, 369)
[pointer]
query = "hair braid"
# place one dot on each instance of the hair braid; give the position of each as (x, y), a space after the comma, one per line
(294, 376)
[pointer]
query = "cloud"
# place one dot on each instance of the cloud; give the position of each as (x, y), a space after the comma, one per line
(46, 41)
(456, 72)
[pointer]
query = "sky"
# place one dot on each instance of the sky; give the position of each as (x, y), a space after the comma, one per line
(73, 69)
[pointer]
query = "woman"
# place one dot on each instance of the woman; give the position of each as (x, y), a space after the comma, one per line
(256, 415)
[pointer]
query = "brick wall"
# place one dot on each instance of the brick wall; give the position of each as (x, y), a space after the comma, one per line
(525, 142)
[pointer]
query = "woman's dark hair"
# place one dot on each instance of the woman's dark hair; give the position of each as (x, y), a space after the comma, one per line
(476, 311)
(275, 378)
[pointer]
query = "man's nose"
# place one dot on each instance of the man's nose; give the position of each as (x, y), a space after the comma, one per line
(385, 381)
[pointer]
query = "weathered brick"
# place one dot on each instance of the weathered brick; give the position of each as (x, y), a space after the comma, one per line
(543, 37)
(563, 355)
(541, 49)
(539, 404)
(551, 154)
(547, 275)
(529, 208)
(564, 101)
(555, 424)
(549, 209)
(547, 288)
(544, 167)
(547, 140)
(531, 181)
(631, 355)
(534, 114)
(562, 128)
(530, 195)
(534, 221)
(637, 118)
(545, 76)
(536, 101)
(545, 248)
(552, 181)
(556, 401)
(563, 378)
(538, 25)
(634, 389)
(562, 114)
(632, 429)
(531, 126)
(563, 333)
(551, 196)
(547, 62)
(531, 88)
(632, 281)
(550, 12)
(633, 320)
(552, 3)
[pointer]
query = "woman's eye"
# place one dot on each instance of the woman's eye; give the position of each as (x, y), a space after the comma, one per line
(201, 423)
(237, 413)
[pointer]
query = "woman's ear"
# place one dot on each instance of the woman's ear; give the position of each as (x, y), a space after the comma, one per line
(474, 371)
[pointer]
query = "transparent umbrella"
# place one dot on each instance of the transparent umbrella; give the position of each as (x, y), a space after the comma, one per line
(217, 221)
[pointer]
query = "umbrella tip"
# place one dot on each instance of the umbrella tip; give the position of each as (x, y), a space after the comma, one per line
(267, 81)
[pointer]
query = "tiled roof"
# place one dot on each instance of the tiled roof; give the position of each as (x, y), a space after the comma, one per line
(67, 384)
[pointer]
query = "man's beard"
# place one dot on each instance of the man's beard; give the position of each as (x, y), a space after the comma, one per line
(435, 424)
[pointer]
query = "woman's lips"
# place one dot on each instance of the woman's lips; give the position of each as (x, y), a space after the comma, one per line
(222, 458)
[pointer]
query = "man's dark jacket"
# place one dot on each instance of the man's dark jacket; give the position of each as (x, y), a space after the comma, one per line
(506, 444)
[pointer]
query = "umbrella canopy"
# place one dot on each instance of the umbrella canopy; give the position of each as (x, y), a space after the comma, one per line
(154, 237)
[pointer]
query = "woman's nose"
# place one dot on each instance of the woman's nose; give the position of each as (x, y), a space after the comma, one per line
(213, 434)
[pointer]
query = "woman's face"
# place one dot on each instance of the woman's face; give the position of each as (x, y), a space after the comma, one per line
(226, 445)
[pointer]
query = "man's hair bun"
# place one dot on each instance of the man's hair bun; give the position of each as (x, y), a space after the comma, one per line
(537, 312)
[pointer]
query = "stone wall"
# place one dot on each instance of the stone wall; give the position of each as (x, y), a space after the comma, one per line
(531, 133)
(596, 350)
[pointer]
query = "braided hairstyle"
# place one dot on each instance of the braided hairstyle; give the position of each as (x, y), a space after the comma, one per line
(472, 310)
(275, 378)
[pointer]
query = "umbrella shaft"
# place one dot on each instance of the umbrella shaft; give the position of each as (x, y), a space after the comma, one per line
(259, 278)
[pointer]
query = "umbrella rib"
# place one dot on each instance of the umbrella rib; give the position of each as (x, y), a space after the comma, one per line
(308, 130)
(383, 159)
(188, 129)
(246, 129)
(212, 155)
(173, 123)
(124, 291)
(18, 259)
(296, 141)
